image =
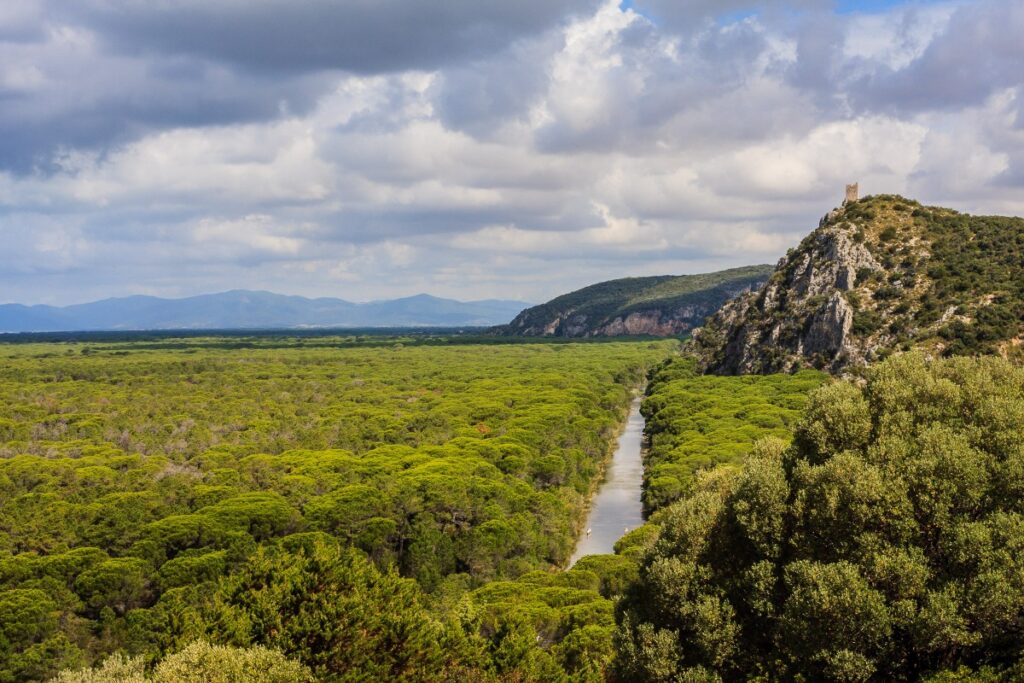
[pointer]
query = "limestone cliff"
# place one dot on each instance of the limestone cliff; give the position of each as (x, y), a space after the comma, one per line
(658, 306)
(878, 275)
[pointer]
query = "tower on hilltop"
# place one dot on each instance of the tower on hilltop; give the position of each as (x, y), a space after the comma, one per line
(852, 193)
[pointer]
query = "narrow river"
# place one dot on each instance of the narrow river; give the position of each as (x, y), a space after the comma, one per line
(616, 507)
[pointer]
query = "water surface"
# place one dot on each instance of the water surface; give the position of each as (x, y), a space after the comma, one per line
(616, 507)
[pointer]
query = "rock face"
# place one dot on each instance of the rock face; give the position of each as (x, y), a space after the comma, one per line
(879, 275)
(654, 322)
(828, 329)
(802, 316)
(654, 306)
(801, 311)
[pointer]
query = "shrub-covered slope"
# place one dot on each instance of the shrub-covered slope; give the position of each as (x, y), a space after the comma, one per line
(885, 544)
(663, 305)
(881, 274)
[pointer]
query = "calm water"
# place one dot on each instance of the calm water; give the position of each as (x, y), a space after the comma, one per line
(617, 507)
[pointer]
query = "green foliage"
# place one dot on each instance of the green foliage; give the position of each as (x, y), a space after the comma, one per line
(696, 422)
(331, 609)
(199, 662)
(886, 543)
(142, 483)
(564, 612)
(977, 260)
(30, 640)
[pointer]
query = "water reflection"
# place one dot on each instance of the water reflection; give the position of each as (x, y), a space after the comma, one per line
(616, 507)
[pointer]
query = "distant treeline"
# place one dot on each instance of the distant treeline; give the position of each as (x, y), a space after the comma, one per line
(282, 339)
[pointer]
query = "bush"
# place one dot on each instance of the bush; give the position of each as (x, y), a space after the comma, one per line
(200, 662)
(885, 543)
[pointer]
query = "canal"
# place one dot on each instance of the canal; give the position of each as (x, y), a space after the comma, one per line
(616, 508)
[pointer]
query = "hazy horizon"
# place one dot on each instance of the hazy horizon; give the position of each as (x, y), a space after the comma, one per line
(267, 291)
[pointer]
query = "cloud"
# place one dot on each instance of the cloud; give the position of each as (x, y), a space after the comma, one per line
(95, 73)
(972, 52)
(21, 21)
(256, 233)
(64, 92)
(358, 36)
(503, 149)
(696, 15)
(246, 165)
(880, 151)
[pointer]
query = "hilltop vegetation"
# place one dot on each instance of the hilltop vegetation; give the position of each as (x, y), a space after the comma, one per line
(660, 306)
(151, 497)
(884, 544)
(879, 275)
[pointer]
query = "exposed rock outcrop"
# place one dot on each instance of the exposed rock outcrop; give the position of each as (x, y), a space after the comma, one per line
(828, 329)
(800, 312)
(878, 275)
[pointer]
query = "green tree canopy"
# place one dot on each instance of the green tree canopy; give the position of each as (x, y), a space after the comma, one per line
(886, 543)
(199, 662)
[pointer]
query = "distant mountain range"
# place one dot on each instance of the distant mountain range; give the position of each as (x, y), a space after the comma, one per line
(242, 309)
(662, 305)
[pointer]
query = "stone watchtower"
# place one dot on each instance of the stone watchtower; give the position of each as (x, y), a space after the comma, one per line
(852, 193)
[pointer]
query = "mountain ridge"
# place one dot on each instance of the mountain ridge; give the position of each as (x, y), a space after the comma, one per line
(251, 309)
(659, 305)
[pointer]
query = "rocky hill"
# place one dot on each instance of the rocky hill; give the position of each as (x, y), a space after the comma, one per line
(878, 275)
(660, 306)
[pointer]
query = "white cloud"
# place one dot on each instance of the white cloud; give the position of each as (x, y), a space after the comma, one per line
(609, 145)
(256, 232)
(880, 151)
(254, 163)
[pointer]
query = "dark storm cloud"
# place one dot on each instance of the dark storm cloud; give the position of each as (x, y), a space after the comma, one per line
(479, 96)
(359, 36)
(119, 102)
(91, 74)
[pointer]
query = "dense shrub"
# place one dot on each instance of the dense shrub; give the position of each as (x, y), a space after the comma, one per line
(199, 662)
(886, 543)
(979, 260)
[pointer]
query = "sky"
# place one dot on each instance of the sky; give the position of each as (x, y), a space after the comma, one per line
(370, 149)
